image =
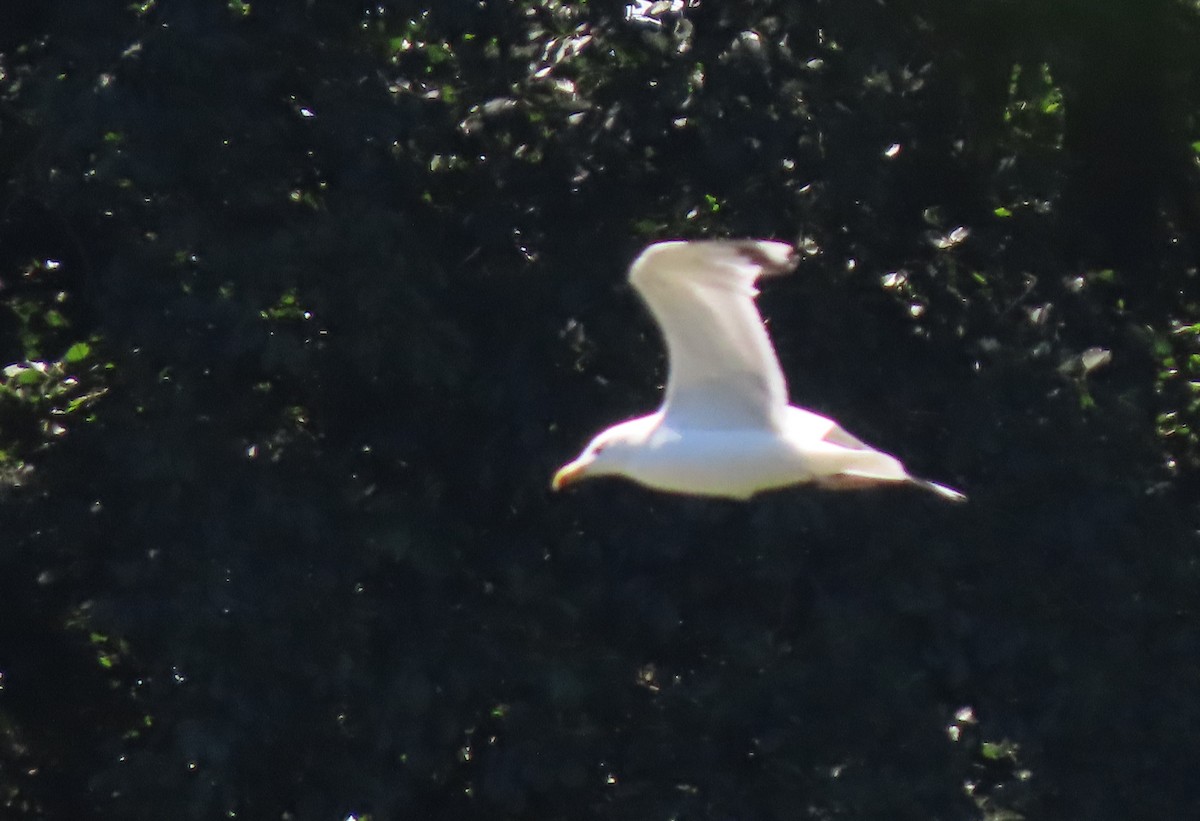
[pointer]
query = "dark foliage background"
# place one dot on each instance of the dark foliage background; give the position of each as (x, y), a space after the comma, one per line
(302, 303)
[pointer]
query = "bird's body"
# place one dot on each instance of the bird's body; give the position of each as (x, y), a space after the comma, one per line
(725, 427)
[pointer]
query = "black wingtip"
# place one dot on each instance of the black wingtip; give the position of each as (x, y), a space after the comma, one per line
(770, 263)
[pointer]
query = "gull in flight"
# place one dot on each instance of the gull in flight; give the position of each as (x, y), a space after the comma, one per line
(725, 427)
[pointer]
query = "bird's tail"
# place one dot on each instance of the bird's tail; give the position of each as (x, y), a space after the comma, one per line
(948, 493)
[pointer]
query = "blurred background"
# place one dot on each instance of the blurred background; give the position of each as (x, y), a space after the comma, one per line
(301, 304)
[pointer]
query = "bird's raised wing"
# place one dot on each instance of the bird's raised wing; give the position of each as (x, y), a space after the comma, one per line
(723, 370)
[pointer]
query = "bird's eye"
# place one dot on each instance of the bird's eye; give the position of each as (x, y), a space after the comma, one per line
(596, 451)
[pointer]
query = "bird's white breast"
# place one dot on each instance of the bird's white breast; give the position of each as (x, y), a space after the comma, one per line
(732, 463)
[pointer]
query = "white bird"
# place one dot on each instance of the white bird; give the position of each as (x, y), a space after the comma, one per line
(725, 427)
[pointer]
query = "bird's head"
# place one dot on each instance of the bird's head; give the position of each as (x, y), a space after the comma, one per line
(610, 453)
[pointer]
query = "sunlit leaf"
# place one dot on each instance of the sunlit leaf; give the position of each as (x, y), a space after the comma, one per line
(77, 352)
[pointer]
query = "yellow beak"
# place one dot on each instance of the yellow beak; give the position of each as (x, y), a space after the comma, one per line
(567, 474)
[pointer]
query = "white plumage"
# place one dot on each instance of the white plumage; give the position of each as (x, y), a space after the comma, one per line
(725, 427)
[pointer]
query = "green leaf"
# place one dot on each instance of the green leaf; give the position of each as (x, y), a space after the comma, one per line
(30, 376)
(1002, 212)
(998, 750)
(77, 403)
(77, 352)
